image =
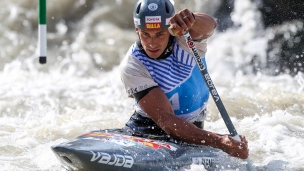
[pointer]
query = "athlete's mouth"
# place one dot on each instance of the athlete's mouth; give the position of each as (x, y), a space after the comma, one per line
(153, 51)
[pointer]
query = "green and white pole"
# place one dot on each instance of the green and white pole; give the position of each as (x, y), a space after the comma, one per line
(42, 31)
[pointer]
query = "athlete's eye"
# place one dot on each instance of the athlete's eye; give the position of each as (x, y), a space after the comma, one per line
(159, 34)
(144, 33)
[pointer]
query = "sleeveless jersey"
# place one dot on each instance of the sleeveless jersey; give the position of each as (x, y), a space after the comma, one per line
(178, 76)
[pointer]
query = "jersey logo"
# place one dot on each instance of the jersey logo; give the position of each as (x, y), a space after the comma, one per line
(174, 100)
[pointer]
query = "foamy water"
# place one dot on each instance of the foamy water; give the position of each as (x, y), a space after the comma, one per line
(79, 89)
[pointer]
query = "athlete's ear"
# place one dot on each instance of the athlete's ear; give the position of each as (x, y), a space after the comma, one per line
(136, 30)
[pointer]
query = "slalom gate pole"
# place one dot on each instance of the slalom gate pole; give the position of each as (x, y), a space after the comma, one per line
(213, 92)
(42, 42)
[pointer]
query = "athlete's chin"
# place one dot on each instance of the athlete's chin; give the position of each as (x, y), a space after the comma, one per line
(153, 55)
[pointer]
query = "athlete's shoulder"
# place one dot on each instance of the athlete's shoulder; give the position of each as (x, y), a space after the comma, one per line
(131, 66)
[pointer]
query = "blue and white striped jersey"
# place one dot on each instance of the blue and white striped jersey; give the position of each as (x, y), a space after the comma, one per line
(177, 75)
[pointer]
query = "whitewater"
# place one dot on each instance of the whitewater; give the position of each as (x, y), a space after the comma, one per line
(79, 89)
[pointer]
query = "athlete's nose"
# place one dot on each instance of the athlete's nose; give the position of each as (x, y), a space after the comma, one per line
(152, 43)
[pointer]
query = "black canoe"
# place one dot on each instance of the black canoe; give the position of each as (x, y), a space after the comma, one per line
(114, 150)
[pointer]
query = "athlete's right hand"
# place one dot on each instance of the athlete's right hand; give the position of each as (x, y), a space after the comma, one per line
(180, 22)
(235, 148)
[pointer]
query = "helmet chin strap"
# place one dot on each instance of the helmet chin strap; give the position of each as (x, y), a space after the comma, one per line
(166, 53)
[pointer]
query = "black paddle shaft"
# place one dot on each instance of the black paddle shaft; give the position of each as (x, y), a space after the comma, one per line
(210, 85)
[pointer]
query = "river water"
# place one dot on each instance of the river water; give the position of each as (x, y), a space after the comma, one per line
(79, 88)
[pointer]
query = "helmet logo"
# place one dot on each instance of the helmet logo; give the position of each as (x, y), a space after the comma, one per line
(153, 19)
(153, 22)
(136, 21)
(152, 6)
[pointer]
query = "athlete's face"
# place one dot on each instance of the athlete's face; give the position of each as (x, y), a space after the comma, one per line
(154, 41)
